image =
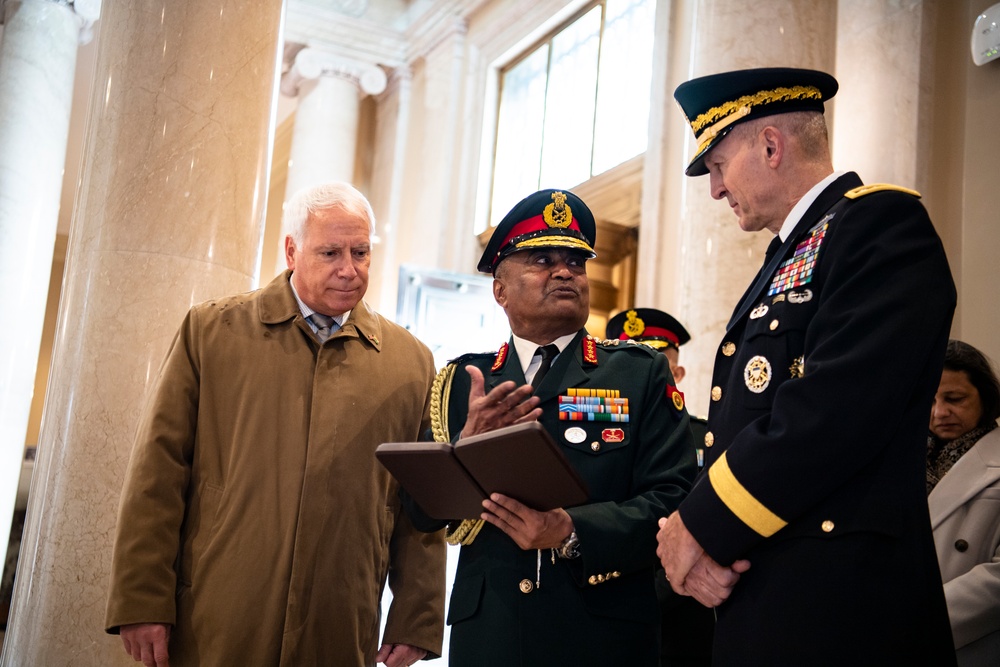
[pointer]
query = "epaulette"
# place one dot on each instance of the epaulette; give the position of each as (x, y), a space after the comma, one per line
(863, 190)
(469, 356)
(616, 344)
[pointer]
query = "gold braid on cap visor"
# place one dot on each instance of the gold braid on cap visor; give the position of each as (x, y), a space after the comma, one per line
(726, 114)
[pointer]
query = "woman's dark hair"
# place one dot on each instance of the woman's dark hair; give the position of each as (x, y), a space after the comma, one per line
(961, 356)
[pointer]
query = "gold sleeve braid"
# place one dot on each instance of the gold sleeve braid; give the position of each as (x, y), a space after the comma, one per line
(466, 531)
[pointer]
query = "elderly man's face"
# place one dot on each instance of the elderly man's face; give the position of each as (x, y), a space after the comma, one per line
(545, 293)
(738, 173)
(330, 269)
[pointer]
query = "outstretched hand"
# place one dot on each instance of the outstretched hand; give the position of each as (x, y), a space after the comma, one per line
(506, 404)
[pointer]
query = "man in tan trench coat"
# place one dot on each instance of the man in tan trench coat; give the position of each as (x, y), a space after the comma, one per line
(256, 526)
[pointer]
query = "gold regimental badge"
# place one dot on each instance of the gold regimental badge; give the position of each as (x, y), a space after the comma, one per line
(634, 326)
(798, 367)
(558, 213)
(757, 374)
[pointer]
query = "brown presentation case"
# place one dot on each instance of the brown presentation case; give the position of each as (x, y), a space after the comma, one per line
(451, 481)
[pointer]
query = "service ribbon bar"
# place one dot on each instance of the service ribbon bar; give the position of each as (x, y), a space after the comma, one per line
(592, 400)
(598, 393)
(592, 417)
(573, 407)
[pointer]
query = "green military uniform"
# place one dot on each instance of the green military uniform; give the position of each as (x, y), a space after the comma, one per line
(514, 607)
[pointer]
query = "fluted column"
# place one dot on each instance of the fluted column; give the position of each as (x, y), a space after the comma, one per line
(37, 65)
(693, 244)
(325, 137)
(169, 213)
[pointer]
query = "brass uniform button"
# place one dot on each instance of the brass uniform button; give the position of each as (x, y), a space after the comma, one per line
(526, 586)
(773, 325)
(615, 574)
(592, 581)
(728, 349)
(716, 393)
(961, 545)
(596, 446)
(709, 439)
(827, 526)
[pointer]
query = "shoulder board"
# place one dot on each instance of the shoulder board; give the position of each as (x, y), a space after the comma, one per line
(471, 356)
(613, 344)
(863, 190)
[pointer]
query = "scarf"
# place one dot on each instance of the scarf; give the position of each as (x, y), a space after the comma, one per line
(943, 454)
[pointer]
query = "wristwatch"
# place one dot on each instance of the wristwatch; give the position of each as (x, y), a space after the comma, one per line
(570, 547)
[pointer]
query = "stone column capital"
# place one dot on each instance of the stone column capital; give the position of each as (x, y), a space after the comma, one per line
(311, 63)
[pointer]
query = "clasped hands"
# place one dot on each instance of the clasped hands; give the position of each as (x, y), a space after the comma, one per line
(689, 569)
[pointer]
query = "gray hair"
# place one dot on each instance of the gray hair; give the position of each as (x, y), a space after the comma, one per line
(808, 127)
(312, 200)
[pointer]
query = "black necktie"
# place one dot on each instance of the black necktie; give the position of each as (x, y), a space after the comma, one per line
(548, 352)
(772, 248)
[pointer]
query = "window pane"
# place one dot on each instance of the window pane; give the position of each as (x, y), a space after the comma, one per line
(623, 87)
(569, 109)
(519, 133)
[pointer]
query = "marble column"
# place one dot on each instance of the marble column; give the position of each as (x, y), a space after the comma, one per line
(884, 94)
(324, 140)
(169, 212)
(692, 243)
(37, 66)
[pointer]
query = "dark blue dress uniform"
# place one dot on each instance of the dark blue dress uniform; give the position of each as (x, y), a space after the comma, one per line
(599, 609)
(816, 444)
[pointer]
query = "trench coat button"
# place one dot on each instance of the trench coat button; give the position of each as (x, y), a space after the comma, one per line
(596, 446)
(728, 349)
(716, 393)
(773, 325)
(709, 439)
(827, 526)
(526, 586)
(961, 545)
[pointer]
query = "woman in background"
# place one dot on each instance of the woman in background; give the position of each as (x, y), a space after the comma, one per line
(963, 483)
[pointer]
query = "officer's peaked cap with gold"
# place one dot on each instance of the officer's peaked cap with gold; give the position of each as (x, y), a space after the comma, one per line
(545, 219)
(713, 105)
(653, 327)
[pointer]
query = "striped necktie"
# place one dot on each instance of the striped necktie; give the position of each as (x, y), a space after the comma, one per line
(325, 325)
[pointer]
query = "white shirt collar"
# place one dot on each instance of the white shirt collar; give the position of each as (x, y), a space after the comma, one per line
(526, 351)
(803, 204)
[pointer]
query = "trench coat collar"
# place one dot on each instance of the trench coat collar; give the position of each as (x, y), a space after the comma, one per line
(979, 468)
(566, 371)
(278, 304)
